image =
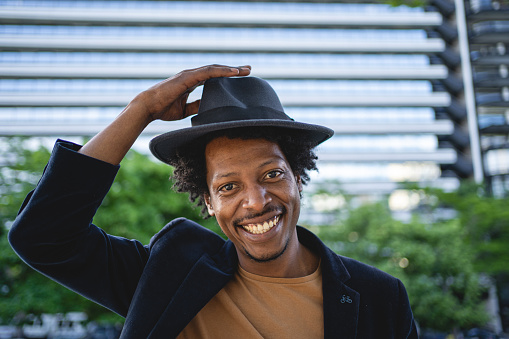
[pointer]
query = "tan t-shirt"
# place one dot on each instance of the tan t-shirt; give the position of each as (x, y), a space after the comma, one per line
(253, 306)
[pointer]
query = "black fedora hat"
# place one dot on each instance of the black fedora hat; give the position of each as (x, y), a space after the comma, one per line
(231, 103)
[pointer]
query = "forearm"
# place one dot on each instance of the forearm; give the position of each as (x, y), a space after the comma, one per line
(112, 143)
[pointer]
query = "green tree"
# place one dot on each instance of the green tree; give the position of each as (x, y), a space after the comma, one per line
(140, 202)
(409, 3)
(485, 222)
(433, 261)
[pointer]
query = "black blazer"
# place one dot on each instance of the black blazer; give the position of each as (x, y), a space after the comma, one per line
(160, 287)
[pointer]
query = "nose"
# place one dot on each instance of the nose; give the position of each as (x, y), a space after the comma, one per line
(256, 198)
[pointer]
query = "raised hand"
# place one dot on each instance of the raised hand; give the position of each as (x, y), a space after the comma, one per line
(166, 100)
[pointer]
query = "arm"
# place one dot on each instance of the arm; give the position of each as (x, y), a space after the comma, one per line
(53, 232)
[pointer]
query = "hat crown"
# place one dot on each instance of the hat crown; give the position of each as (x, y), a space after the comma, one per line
(241, 92)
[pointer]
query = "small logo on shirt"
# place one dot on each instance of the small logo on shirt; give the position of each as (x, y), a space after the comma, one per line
(346, 299)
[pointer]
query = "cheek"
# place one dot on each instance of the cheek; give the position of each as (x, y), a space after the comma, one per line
(291, 192)
(225, 225)
(226, 231)
(222, 213)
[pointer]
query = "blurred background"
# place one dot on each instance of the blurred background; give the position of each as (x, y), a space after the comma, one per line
(414, 181)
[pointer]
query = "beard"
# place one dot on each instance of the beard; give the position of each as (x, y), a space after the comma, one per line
(268, 257)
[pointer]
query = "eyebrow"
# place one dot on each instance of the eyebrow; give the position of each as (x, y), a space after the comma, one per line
(268, 162)
(226, 175)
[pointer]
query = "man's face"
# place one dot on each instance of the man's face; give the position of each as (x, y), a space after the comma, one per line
(254, 196)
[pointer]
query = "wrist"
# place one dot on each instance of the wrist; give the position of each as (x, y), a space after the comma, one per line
(138, 110)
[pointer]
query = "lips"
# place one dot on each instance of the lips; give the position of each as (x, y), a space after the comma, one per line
(261, 228)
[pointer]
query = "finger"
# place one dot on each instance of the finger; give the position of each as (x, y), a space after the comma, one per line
(192, 78)
(196, 76)
(192, 108)
(244, 70)
(194, 87)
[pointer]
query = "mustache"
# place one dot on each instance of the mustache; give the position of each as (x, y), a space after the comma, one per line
(268, 209)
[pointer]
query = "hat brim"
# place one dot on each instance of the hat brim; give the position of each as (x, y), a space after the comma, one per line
(164, 146)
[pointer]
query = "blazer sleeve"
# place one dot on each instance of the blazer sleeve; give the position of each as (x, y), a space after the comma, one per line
(54, 234)
(405, 324)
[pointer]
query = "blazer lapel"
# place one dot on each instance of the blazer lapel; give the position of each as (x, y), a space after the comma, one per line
(207, 277)
(340, 302)
(341, 311)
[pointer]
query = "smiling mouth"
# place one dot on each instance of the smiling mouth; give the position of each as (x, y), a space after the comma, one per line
(262, 227)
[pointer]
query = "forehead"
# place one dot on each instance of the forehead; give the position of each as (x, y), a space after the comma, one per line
(223, 152)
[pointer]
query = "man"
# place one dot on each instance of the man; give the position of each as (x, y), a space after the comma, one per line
(245, 162)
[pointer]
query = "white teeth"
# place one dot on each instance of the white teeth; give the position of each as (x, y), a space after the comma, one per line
(261, 228)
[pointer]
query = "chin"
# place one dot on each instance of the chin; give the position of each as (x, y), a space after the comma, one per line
(267, 257)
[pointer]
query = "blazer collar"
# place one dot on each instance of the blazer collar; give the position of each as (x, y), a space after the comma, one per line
(206, 278)
(340, 302)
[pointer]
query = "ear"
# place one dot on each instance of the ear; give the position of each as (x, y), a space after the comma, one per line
(299, 182)
(210, 209)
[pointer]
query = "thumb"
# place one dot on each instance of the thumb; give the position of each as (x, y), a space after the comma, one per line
(192, 108)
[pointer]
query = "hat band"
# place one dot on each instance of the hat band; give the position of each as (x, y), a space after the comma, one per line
(232, 113)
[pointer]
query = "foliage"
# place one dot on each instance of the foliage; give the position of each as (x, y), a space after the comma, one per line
(433, 261)
(485, 220)
(409, 3)
(140, 202)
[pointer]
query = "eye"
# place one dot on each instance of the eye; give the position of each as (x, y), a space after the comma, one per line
(226, 188)
(273, 174)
